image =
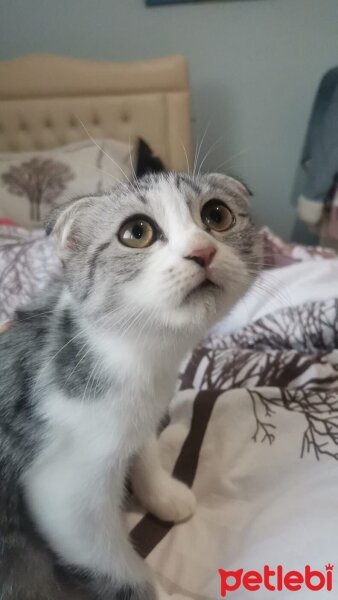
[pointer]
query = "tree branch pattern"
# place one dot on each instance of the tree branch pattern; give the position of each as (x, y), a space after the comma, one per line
(40, 180)
(27, 262)
(287, 360)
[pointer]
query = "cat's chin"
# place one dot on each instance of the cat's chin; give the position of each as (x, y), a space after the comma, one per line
(200, 311)
(201, 291)
(202, 308)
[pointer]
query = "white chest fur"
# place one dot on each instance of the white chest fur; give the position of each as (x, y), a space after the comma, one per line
(75, 486)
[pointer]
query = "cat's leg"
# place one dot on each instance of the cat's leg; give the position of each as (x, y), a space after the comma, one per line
(83, 523)
(161, 494)
(130, 577)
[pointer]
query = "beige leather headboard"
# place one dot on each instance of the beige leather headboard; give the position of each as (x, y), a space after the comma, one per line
(42, 99)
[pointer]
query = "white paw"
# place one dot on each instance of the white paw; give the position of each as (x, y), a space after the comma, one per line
(173, 501)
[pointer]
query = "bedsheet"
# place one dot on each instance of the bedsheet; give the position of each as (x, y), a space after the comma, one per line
(254, 431)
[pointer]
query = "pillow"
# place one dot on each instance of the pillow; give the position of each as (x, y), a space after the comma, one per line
(31, 183)
(27, 262)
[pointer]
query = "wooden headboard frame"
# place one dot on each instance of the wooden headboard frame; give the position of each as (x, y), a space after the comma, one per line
(44, 97)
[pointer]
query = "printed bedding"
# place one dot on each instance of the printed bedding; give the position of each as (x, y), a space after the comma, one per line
(253, 426)
(254, 430)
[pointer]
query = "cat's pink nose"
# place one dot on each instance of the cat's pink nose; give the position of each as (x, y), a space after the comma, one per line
(202, 256)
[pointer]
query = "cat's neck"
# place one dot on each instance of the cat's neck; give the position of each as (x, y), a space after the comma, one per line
(138, 352)
(128, 350)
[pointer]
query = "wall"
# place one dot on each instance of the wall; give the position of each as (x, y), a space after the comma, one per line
(255, 65)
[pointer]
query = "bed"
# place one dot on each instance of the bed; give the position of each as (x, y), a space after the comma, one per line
(42, 97)
(254, 424)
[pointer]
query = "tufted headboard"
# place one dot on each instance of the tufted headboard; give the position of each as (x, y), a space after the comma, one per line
(44, 97)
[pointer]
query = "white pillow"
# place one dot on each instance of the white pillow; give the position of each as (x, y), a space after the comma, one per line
(31, 183)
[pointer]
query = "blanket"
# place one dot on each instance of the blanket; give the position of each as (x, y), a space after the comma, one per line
(254, 430)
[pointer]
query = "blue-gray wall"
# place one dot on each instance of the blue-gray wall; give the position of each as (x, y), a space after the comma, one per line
(255, 65)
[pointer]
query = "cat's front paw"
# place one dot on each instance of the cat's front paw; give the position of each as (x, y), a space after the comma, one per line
(172, 501)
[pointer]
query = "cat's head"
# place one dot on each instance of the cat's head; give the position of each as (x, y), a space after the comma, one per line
(167, 251)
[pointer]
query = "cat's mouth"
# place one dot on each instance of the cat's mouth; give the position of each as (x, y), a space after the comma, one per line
(205, 285)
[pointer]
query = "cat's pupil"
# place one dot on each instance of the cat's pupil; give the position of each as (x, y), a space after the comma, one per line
(215, 215)
(138, 231)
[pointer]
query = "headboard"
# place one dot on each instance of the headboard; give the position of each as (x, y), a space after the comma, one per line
(44, 97)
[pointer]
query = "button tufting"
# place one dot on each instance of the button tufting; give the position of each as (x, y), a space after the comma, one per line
(96, 120)
(125, 116)
(23, 126)
(48, 123)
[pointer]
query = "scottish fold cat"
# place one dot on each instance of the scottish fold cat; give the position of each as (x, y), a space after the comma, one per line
(87, 372)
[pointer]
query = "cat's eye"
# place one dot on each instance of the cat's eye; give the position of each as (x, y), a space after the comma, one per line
(137, 232)
(216, 216)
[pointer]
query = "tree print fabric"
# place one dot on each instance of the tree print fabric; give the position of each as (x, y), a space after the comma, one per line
(27, 261)
(286, 360)
(39, 180)
(32, 183)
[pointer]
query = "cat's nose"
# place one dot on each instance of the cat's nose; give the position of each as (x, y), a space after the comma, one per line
(202, 256)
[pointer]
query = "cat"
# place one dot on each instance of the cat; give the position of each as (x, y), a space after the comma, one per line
(87, 372)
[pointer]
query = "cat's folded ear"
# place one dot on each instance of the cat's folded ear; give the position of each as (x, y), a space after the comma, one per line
(69, 225)
(233, 182)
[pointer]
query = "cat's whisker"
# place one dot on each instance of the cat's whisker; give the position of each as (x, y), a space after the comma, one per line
(242, 300)
(116, 179)
(86, 344)
(136, 184)
(212, 147)
(276, 285)
(95, 369)
(97, 375)
(151, 316)
(199, 147)
(276, 297)
(80, 333)
(92, 374)
(132, 321)
(130, 159)
(186, 156)
(98, 383)
(40, 314)
(124, 315)
(260, 261)
(103, 151)
(80, 361)
(194, 163)
(230, 159)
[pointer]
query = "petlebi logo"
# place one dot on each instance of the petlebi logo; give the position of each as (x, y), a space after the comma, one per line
(276, 579)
